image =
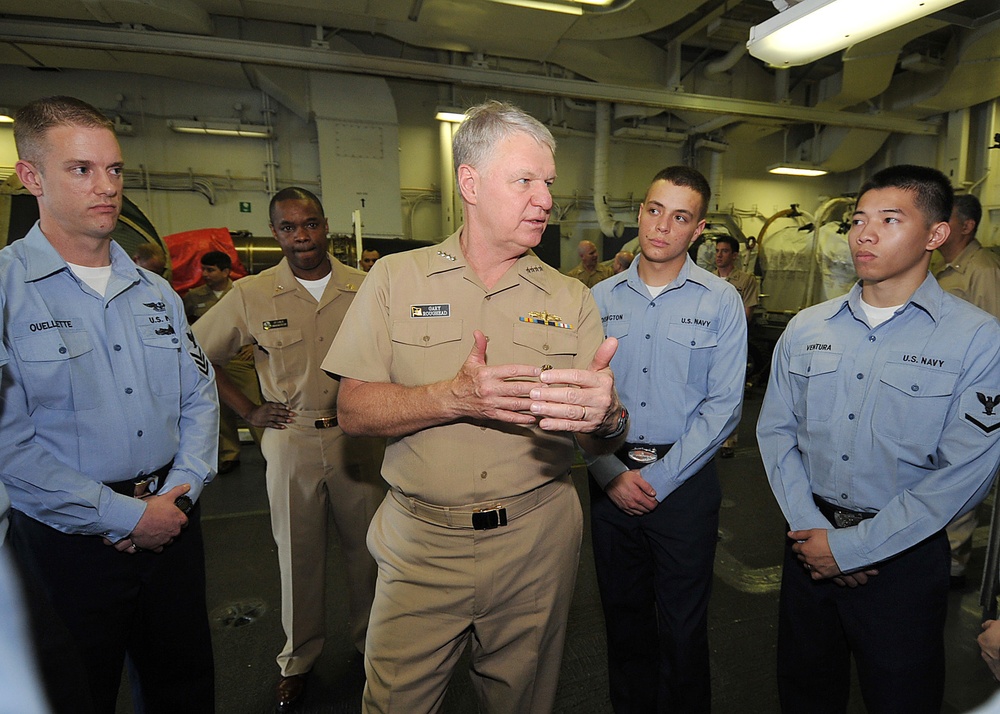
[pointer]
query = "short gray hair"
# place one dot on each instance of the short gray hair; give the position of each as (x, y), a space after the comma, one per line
(489, 123)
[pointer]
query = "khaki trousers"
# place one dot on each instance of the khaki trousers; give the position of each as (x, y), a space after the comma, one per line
(311, 474)
(507, 591)
(241, 370)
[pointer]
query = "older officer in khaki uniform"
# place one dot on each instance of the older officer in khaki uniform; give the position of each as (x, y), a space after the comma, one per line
(290, 313)
(479, 541)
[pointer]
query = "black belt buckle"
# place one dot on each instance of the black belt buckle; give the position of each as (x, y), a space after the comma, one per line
(490, 519)
(325, 423)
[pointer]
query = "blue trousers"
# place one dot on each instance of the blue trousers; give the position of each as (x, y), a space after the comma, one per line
(894, 627)
(655, 578)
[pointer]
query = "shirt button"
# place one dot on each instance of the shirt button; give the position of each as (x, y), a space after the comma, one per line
(545, 347)
(645, 370)
(488, 298)
(174, 340)
(62, 350)
(914, 388)
(128, 390)
(845, 457)
(642, 438)
(118, 348)
(482, 475)
(844, 496)
(427, 338)
(648, 336)
(319, 339)
(139, 433)
(860, 376)
(642, 404)
(871, 338)
(692, 343)
(851, 417)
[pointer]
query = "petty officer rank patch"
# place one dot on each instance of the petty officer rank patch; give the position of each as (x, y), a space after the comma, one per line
(980, 408)
(439, 310)
(272, 324)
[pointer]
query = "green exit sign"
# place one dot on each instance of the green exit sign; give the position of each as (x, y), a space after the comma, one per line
(244, 206)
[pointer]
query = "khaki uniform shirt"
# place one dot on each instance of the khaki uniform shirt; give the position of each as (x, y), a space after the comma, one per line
(412, 324)
(601, 272)
(290, 332)
(198, 300)
(745, 284)
(974, 276)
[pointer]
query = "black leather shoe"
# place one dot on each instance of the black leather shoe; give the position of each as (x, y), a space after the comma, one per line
(289, 692)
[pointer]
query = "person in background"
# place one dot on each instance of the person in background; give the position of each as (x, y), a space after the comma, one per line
(878, 428)
(478, 542)
(108, 432)
(368, 258)
(973, 274)
(727, 266)
(289, 314)
(655, 502)
(623, 259)
(590, 272)
(151, 257)
(215, 269)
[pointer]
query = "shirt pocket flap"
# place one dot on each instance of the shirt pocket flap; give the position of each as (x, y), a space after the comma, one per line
(428, 332)
(52, 346)
(276, 339)
(692, 336)
(616, 328)
(545, 340)
(917, 381)
(809, 364)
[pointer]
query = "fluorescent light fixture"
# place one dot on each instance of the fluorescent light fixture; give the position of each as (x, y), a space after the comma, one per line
(793, 169)
(455, 116)
(811, 29)
(6, 117)
(565, 8)
(221, 128)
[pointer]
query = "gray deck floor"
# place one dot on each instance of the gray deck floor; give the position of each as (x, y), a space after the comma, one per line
(243, 599)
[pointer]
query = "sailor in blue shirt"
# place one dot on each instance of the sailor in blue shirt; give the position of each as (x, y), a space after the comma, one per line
(878, 427)
(105, 387)
(680, 370)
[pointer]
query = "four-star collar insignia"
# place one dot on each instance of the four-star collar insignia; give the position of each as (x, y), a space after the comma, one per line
(447, 256)
(534, 269)
(542, 317)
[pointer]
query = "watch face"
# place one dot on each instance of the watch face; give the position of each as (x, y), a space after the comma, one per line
(184, 503)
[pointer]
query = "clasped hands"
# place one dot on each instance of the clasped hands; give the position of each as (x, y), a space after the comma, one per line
(575, 400)
(161, 522)
(812, 548)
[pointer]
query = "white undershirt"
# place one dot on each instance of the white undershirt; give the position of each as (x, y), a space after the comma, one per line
(654, 290)
(316, 287)
(877, 315)
(96, 278)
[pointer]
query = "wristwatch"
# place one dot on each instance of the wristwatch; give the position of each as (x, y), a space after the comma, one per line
(185, 504)
(620, 427)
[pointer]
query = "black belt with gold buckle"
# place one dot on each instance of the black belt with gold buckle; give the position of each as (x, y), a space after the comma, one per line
(325, 422)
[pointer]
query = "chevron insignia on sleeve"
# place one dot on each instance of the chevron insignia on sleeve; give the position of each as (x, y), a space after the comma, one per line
(197, 355)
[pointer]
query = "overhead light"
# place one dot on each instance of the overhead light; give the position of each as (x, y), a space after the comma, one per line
(455, 116)
(810, 29)
(565, 8)
(5, 116)
(221, 128)
(793, 169)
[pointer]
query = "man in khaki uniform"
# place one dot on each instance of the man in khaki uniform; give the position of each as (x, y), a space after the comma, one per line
(973, 274)
(727, 253)
(290, 313)
(215, 268)
(589, 271)
(480, 538)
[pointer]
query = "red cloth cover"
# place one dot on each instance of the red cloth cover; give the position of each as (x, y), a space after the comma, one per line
(187, 248)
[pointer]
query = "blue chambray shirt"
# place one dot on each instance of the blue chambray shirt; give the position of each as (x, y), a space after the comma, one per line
(97, 390)
(680, 369)
(893, 419)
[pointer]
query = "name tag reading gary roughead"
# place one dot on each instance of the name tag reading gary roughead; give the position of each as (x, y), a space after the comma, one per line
(439, 310)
